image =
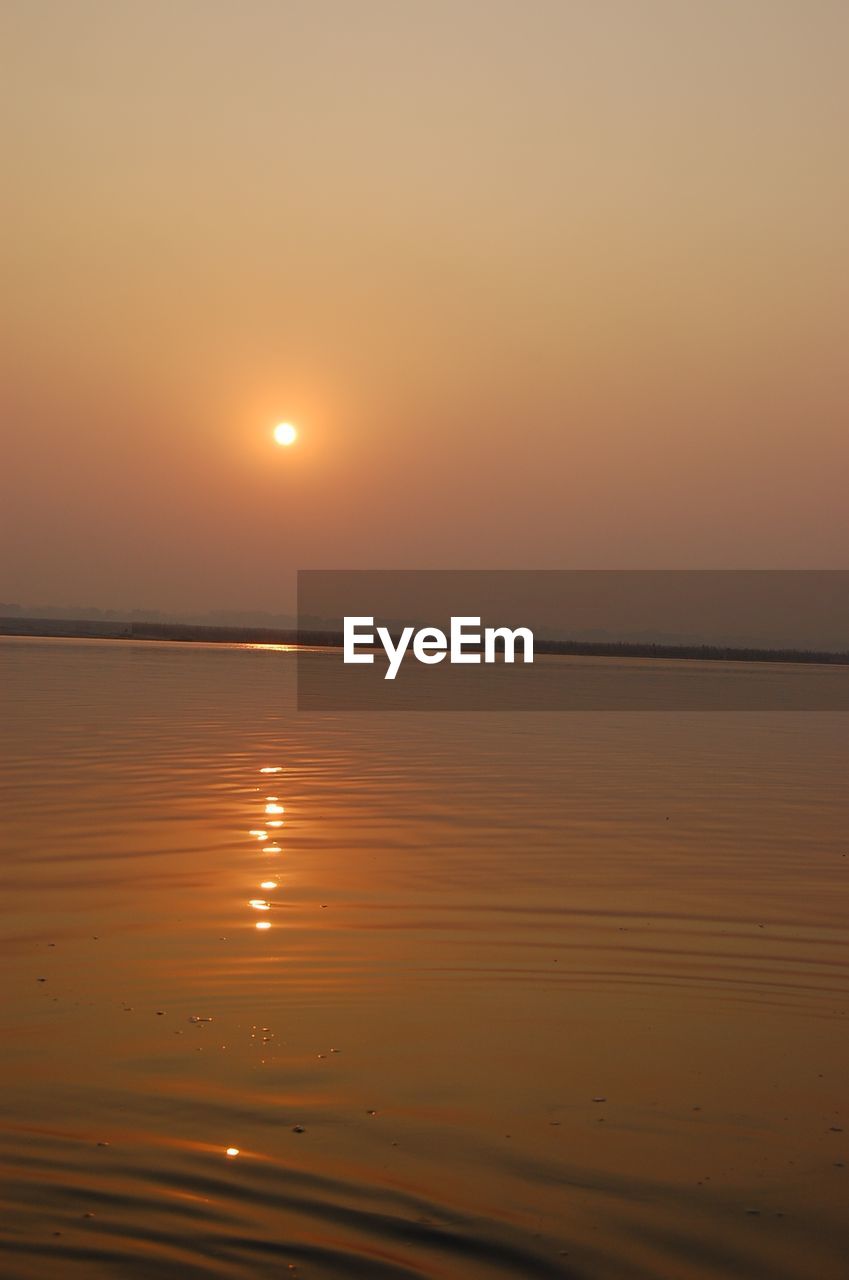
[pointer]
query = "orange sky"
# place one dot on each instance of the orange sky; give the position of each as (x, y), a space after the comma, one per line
(548, 284)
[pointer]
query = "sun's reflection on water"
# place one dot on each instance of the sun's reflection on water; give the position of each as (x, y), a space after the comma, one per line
(271, 805)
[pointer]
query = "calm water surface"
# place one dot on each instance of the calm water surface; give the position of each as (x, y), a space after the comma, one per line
(539, 995)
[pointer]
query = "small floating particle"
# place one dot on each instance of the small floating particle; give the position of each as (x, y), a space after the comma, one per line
(195, 1017)
(41, 979)
(371, 1112)
(88, 1215)
(835, 1128)
(599, 1099)
(103, 1144)
(160, 1013)
(298, 1128)
(335, 1050)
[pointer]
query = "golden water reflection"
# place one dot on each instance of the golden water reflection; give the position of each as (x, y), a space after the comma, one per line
(271, 805)
(495, 928)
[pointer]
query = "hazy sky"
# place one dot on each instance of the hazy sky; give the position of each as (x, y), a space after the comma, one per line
(543, 284)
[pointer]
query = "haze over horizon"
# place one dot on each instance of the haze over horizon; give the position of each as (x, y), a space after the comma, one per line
(594, 321)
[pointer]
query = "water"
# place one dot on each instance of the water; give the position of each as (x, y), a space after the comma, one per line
(480, 925)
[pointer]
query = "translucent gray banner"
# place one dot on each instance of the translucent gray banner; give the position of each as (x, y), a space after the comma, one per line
(600, 640)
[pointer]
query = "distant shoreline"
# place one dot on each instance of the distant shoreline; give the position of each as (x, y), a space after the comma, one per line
(81, 629)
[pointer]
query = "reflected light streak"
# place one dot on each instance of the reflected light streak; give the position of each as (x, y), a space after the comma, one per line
(263, 924)
(278, 822)
(232, 1151)
(268, 884)
(274, 808)
(271, 768)
(271, 848)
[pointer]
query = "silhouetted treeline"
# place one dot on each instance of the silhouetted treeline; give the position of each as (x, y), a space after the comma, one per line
(233, 635)
(706, 652)
(316, 638)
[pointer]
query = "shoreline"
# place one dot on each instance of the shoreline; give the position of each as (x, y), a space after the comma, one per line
(94, 629)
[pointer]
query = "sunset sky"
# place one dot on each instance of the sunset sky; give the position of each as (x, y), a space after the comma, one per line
(548, 284)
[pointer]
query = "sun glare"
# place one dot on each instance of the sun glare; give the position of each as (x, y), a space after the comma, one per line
(285, 433)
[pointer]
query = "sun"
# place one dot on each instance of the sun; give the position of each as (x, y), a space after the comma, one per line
(285, 433)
